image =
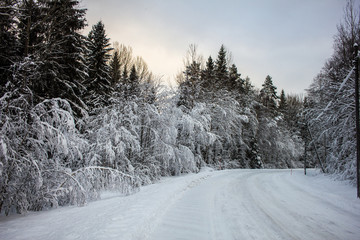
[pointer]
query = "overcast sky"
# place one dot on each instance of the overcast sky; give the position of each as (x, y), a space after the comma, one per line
(289, 40)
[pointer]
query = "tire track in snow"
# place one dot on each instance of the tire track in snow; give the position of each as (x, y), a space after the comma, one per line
(296, 210)
(262, 204)
(284, 219)
(327, 197)
(191, 217)
(248, 217)
(151, 222)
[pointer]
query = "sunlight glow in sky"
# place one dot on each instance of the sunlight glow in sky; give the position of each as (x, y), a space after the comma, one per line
(289, 40)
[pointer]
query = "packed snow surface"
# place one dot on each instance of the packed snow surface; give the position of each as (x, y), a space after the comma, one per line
(229, 204)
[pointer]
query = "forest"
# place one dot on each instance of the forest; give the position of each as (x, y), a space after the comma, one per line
(80, 115)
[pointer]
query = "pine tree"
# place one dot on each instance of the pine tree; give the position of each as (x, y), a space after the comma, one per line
(133, 85)
(98, 85)
(253, 155)
(208, 75)
(31, 27)
(125, 75)
(248, 87)
(235, 82)
(283, 102)
(190, 88)
(115, 72)
(268, 94)
(63, 68)
(221, 69)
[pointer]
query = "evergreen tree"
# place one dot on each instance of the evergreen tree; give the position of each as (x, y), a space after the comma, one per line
(190, 88)
(235, 82)
(208, 75)
(294, 107)
(283, 102)
(132, 91)
(193, 73)
(125, 75)
(185, 97)
(221, 69)
(248, 87)
(63, 68)
(31, 27)
(8, 40)
(99, 82)
(115, 72)
(268, 94)
(252, 154)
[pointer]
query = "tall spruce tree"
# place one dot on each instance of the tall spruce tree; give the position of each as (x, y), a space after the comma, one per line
(98, 84)
(191, 87)
(208, 75)
(235, 82)
(63, 68)
(268, 94)
(283, 102)
(133, 85)
(221, 69)
(31, 27)
(252, 154)
(115, 71)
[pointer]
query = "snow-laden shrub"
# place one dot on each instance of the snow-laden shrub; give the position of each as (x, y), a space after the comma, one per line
(279, 147)
(86, 183)
(330, 117)
(111, 143)
(42, 157)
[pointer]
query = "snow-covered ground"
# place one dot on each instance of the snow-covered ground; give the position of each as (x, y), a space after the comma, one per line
(230, 204)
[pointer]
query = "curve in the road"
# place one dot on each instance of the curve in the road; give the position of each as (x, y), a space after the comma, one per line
(263, 204)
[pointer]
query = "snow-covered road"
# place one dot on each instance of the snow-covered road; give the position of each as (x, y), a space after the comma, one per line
(230, 204)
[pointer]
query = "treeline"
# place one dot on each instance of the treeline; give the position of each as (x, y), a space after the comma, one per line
(250, 128)
(79, 116)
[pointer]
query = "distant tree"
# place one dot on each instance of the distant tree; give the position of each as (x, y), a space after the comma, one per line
(268, 94)
(99, 87)
(149, 93)
(283, 102)
(252, 154)
(132, 85)
(208, 75)
(248, 87)
(293, 112)
(125, 55)
(221, 69)
(190, 80)
(190, 88)
(235, 82)
(142, 69)
(115, 71)
(125, 74)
